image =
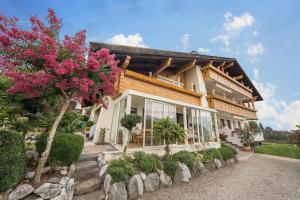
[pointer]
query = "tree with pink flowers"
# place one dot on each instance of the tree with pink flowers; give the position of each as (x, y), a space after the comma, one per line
(40, 64)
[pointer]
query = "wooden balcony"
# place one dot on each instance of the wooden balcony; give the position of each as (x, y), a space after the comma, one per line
(227, 105)
(135, 81)
(211, 73)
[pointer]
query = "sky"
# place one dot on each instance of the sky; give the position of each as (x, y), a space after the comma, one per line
(264, 36)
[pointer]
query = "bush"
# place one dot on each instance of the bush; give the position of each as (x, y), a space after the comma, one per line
(130, 121)
(210, 154)
(120, 170)
(147, 163)
(227, 152)
(66, 148)
(170, 167)
(12, 162)
(185, 157)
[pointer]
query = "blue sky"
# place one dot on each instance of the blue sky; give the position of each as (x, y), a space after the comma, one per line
(262, 35)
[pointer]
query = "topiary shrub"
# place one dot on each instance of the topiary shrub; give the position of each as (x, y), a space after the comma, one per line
(185, 157)
(227, 152)
(147, 163)
(12, 161)
(120, 170)
(170, 167)
(66, 148)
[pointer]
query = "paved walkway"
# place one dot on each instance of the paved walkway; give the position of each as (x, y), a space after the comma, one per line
(257, 178)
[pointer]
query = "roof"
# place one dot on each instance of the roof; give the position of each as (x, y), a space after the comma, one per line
(146, 59)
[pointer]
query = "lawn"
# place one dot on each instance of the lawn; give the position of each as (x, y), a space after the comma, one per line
(283, 150)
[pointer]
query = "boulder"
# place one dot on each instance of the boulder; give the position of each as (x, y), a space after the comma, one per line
(64, 180)
(53, 180)
(64, 172)
(117, 191)
(165, 179)
(71, 171)
(87, 186)
(32, 157)
(70, 187)
(218, 163)
(48, 190)
(135, 187)
(29, 175)
(20, 192)
(143, 176)
(107, 182)
(63, 195)
(152, 182)
(102, 171)
(3, 195)
(46, 169)
(182, 174)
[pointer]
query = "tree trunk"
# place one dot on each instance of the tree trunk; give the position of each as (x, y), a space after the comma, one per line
(95, 107)
(45, 154)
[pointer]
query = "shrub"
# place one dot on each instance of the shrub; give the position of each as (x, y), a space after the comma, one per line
(147, 163)
(66, 148)
(120, 170)
(227, 152)
(130, 121)
(185, 157)
(12, 162)
(210, 154)
(170, 167)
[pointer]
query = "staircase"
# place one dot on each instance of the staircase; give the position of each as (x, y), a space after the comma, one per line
(87, 181)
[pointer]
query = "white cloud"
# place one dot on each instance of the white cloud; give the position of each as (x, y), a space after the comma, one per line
(232, 27)
(274, 112)
(204, 50)
(130, 40)
(254, 33)
(256, 73)
(185, 41)
(255, 50)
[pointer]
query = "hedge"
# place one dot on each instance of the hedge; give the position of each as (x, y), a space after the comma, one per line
(66, 148)
(12, 162)
(120, 170)
(227, 152)
(147, 163)
(188, 158)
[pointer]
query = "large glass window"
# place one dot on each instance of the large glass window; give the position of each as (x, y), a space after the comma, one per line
(207, 124)
(122, 113)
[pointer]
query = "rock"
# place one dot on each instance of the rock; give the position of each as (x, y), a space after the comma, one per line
(165, 180)
(3, 196)
(53, 180)
(182, 174)
(46, 169)
(20, 192)
(70, 188)
(99, 157)
(63, 195)
(117, 191)
(102, 171)
(64, 181)
(210, 166)
(143, 176)
(107, 182)
(29, 175)
(63, 172)
(48, 190)
(32, 156)
(71, 171)
(218, 163)
(135, 187)
(89, 185)
(152, 182)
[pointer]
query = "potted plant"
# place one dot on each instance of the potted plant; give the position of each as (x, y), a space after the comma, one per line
(247, 138)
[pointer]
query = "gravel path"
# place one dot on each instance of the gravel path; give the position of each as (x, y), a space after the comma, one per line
(259, 178)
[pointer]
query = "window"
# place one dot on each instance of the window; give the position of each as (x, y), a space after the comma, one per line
(239, 125)
(222, 123)
(229, 124)
(133, 110)
(207, 126)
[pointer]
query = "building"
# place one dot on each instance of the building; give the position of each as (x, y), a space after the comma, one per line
(206, 95)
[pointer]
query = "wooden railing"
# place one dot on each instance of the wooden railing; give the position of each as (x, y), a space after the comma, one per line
(130, 80)
(210, 72)
(227, 105)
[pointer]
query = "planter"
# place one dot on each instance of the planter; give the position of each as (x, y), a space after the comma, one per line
(247, 148)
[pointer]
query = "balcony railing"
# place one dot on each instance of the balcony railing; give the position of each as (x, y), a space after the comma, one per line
(219, 76)
(227, 105)
(135, 81)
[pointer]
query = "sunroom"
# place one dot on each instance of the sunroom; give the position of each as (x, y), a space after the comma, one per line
(198, 122)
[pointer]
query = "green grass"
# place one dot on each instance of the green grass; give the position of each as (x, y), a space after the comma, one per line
(283, 150)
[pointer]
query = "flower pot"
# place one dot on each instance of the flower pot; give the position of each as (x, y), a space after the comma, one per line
(247, 148)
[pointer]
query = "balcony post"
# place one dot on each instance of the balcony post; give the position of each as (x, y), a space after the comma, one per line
(216, 127)
(185, 125)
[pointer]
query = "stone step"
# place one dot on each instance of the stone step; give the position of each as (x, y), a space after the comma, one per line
(87, 186)
(81, 166)
(87, 157)
(81, 175)
(96, 195)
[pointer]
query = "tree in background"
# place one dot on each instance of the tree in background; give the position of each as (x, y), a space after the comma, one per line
(297, 136)
(253, 127)
(166, 129)
(40, 65)
(261, 126)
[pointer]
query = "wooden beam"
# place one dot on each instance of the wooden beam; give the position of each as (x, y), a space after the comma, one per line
(222, 65)
(239, 77)
(126, 63)
(228, 65)
(185, 67)
(166, 63)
